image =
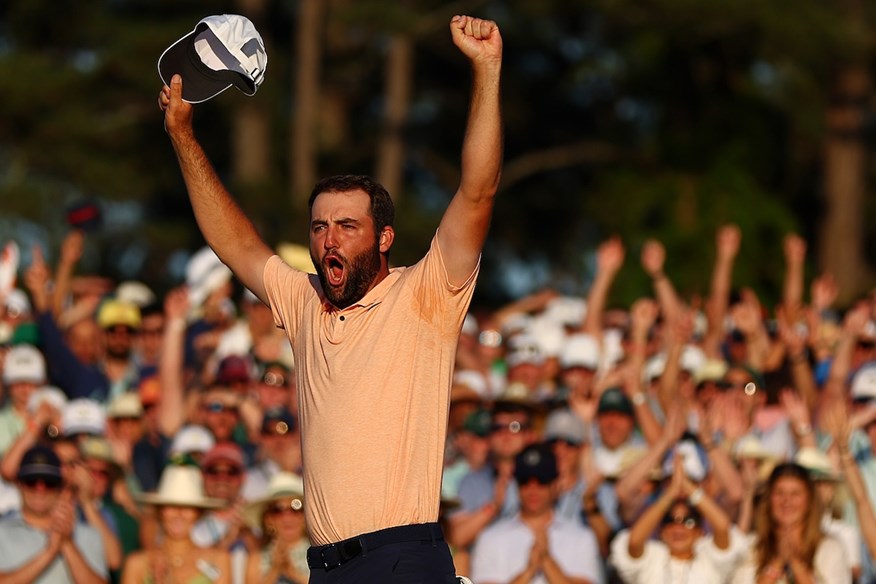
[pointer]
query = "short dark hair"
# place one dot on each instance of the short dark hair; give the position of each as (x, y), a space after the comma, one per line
(382, 208)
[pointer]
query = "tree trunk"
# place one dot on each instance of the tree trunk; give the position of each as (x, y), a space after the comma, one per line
(842, 233)
(303, 166)
(250, 130)
(397, 97)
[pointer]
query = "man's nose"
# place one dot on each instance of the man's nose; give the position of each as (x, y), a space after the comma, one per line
(329, 242)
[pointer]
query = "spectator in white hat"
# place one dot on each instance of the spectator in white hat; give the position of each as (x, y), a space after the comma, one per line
(279, 517)
(178, 503)
(83, 417)
(24, 370)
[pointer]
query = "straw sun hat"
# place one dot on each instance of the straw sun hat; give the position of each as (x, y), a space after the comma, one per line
(281, 486)
(181, 486)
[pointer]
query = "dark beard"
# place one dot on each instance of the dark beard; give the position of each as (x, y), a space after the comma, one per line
(359, 272)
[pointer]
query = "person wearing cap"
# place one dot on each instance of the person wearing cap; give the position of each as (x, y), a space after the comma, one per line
(616, 425)
(536, 545)
(16, 314)
(279, 517)
(488, 493)
(279, 449)
(581, 492)
(526, 361)
(44, 543)
(472, 447)
(220, 412)
(178, 503)
(114, 369)
(24, 370)
(92, 481)
(223, 468)
(683, 552)
(370, 342)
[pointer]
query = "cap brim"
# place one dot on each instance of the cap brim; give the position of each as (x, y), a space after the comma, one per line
(40, 471)
(200, 83)
(159, 500)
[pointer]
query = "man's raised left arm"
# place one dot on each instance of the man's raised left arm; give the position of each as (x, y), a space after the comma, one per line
(464, 226)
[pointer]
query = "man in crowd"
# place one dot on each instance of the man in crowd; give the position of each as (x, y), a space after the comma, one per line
(44, 544)
(536, 546)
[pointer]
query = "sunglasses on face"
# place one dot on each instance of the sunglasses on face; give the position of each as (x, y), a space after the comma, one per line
(686, 521)
(49, 483)
(514, 427)
(525, 480)
(293, 506)
(215, 471)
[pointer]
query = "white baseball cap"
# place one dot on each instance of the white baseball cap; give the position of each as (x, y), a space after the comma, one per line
(24, 363)
(83, 416)
(222, 50)
(580, 350)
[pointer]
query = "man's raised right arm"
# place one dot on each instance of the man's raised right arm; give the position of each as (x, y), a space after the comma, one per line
(224, 225)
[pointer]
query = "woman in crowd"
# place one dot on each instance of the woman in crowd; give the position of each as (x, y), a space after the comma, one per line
(180, 500)
(789, 544)
(683, 552)
(280, 518)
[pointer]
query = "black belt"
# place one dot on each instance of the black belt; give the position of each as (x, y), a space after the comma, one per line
(337, 554)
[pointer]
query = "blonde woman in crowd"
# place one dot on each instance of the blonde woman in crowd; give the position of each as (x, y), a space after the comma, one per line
(280, 518)
(180, 500)
(789, 544)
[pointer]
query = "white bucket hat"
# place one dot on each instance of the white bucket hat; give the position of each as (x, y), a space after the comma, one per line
(181, 486)
(281, 486)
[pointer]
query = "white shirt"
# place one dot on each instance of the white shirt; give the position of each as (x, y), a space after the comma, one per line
(501, 552)
(831, 565)
(710, 565)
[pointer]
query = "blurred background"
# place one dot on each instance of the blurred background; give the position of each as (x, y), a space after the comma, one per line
(643, 119)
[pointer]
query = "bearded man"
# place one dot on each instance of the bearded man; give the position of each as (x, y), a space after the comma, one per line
(374, 346)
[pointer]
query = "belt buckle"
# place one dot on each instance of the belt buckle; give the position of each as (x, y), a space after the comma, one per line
(332, 547)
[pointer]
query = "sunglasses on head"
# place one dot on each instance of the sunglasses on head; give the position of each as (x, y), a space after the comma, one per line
(218, 407)
(686, 521)
(48, 482)
(514, 427)
(293, 506)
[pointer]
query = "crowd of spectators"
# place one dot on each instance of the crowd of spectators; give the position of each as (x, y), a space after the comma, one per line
(155, 439)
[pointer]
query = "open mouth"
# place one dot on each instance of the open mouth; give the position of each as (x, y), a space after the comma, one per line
(334, 269)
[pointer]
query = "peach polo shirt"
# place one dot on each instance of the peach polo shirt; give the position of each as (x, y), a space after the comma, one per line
(374, 386)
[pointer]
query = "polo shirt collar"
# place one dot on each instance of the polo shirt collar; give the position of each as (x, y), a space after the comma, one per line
(373, 297)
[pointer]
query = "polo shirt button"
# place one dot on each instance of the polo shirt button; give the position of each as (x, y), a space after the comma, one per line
(342, 317)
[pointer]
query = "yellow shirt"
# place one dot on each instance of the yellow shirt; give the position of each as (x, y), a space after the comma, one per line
(374, 385)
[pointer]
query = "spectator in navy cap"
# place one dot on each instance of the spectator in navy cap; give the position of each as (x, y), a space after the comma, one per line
(536, 545)
(44, 543)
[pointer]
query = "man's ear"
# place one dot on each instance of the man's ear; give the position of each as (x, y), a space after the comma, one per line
(387, 236)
